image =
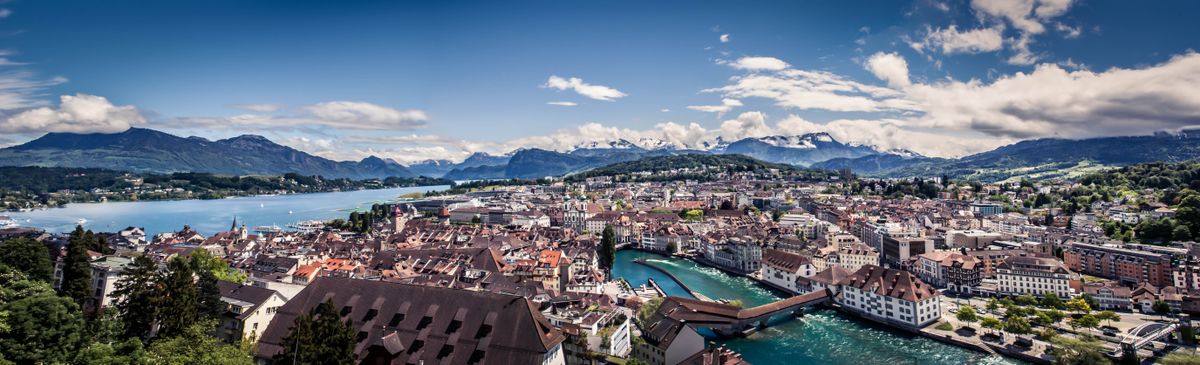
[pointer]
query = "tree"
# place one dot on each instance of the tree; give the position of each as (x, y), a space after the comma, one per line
(647, 310)
(993, 305)
(178, 299)
(1181, 233)
(777, 214)
(43, 329)
(208, 301)
(16, 285)
(990, 323)
(1090, 300)
(203, 261)
(1052, 300)
(104, 327)
(1042, 319)
(77, 269)
(1087, 321)
(1071, 351)
(28, 256)
(1017, 325)
(139, 297)
(128, 352)
(1079, 305)
(1108, 316)
(1055, 315)
(196, 346)
(608, 249)
(1026, 299)
(1160, 307)
(1047, 333)
(967, 314)
(320, 337)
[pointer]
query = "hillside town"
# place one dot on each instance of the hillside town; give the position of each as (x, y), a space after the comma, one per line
(522, 273)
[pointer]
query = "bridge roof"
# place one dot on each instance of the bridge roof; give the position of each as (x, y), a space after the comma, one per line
(699, 311)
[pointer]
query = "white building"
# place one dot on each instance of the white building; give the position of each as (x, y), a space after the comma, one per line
(1034, 275)
(782, 269)
(891, 296)
(106, 272)
(250, 310)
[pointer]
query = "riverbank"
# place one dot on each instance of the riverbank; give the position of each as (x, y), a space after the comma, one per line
(824, 336)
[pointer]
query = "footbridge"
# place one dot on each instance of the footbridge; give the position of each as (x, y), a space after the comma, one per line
(732, 320)
(1145, 334)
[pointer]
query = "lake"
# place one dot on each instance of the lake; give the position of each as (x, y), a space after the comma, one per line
(210, 216)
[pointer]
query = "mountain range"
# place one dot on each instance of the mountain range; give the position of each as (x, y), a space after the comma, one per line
(146, 150)
(1050, 157)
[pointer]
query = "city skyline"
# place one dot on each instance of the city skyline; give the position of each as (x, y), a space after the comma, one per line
(415, 81)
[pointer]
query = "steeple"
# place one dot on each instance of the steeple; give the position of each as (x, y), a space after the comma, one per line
(234, 226)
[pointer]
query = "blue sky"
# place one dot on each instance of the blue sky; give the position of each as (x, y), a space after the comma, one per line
(442, 79)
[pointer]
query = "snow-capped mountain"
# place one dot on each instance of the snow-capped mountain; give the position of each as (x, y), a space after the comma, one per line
(620, 144)
(805, 141)
(903, 153)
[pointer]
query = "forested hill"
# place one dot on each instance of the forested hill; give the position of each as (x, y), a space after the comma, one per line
(1158, 175)
(32, 187)
(693, 166)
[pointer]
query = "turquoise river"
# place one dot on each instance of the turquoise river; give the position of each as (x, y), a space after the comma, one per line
(823, 336)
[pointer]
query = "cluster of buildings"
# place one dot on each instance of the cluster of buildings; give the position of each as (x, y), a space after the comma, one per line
(512, 274)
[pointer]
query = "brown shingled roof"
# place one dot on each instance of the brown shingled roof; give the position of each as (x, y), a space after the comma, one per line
(403, 323)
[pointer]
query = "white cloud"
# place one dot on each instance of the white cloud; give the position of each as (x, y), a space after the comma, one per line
(258, 108)
(562, 103)
(363, 115)
(889, 67)
(22, 89)
(79, 113)
(727, 104)
(664, 110)
(1054, 102)
(889, 134)
(4, 13)
(758, 63)
(808, 89)
(725, 38)
(1067, 31)
(748, 124)
(598, 92)
(951, 41)
(1028, 17)
(352, 115)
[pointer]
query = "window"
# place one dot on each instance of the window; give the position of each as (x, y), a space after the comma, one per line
(425, 321)
(370, 315)
(454, 325)
(362, 335)
(484, 331)
(416, 346)
(476, 357)
(446, 350)
(396, 319)
(346, 310)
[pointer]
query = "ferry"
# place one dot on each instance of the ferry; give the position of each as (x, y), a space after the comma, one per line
(308, 226)
(272, 229)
